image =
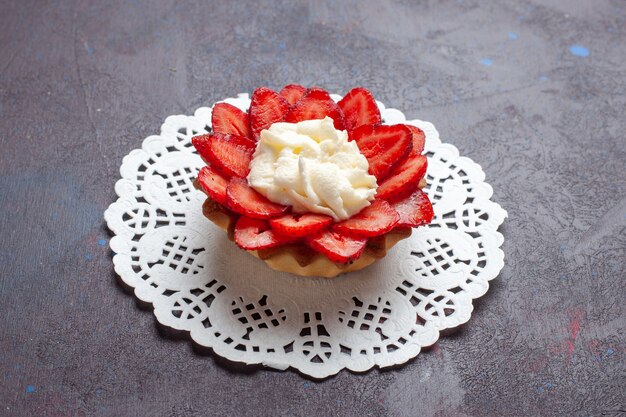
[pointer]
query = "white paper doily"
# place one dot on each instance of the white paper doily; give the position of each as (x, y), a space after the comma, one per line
(199, 281)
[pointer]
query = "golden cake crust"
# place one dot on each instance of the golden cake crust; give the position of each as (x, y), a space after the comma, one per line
(301, 260)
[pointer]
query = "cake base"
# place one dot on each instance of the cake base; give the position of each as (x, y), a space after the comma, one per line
(301, 260)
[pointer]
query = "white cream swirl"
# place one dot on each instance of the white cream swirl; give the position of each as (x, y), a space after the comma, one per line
(312, 167)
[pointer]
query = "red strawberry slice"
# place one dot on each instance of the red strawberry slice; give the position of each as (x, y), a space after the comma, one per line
(300, 224)
(237, 151)
(229, 120)
(403, 180)
(359, 108)
(202, 144)
(213, 183)
(316, 104)
(266, 108)
(419, 138)
(292, 93)
(383, 146)
(229, 154)
(245, 200)
(374, 220)
(336, 246)
(415, 210)
(256, 234)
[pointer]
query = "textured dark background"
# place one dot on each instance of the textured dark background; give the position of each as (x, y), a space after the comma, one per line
(82, 83)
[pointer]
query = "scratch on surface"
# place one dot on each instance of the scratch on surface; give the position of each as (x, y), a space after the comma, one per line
(83, 90)
(613, 221)
(6, 67)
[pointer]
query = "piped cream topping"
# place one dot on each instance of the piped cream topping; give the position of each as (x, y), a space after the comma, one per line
(312, 167)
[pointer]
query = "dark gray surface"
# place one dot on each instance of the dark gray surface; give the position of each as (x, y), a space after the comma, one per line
(81, 84)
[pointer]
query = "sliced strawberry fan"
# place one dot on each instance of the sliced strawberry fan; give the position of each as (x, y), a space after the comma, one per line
(394, 154)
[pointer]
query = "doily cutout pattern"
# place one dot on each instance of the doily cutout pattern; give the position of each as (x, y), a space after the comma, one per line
(199, 281)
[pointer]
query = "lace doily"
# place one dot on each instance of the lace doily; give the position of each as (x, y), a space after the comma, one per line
(199, 281)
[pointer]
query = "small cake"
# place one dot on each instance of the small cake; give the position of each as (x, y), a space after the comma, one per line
(311, 186)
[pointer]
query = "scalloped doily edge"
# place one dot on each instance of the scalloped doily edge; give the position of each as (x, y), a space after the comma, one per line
(414, 349)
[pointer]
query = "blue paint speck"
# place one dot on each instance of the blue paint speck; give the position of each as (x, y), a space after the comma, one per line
(486, 61)
(520, 18)
(30, 389)
(548, 385)
(282, 45)
(306, 385)
(610, 351)
(89, 256)
(611, 30)
(455, 98)
(578, 50)
(543, 78)
(539, 390)
(512, 36)
(563, 248)
(55, 216)
(102, 242)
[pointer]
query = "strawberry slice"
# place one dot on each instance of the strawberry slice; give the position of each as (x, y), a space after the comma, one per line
(415, 210)
(300, 225)
(383, 146)
(316, 104)
(359, 108)
(202, 144)
(336, 246)
(256, 234)
(229, 120)
(292, 93)
(266, 108)
(245, 200)
(403, 180)
(229, 154)
(374, 220)
(419, 138)
(213, 183)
